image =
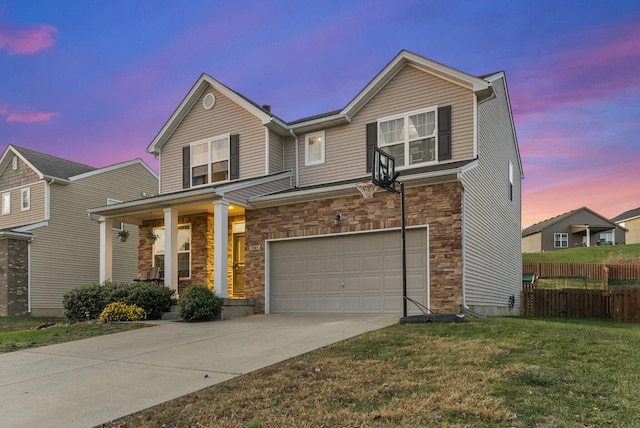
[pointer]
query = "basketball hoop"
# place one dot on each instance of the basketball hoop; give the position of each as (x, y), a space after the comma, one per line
(367, 188)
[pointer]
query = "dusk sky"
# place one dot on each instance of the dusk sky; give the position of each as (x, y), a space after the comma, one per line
(94, 81)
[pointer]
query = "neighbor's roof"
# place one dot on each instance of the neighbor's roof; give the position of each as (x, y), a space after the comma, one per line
(539, 227)
(50, 166)
(627, 215)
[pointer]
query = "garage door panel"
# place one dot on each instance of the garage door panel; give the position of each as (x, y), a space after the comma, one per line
(359, 273)
(333, 265)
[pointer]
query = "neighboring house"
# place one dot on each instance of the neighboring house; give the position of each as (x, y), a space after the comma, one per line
(48, 243)
(630, 220)
(578, 228)
(248, 203)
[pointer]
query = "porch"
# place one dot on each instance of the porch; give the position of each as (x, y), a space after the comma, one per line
(196, 236)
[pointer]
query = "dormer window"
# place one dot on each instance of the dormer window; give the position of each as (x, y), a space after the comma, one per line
(410, 137)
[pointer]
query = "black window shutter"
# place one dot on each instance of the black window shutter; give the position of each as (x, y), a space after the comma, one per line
(444, 133)
(372, 142)
(234, 157)
(186, 167)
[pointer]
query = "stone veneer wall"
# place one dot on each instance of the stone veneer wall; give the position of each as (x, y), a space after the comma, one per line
(202, 248)
(14, 277)
(438, 206)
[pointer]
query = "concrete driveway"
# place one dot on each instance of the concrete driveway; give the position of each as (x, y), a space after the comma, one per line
(92, 381)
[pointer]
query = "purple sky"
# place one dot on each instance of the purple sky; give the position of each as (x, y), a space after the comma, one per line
(95, 81)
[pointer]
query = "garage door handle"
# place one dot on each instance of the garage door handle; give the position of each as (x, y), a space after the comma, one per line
(342, 284)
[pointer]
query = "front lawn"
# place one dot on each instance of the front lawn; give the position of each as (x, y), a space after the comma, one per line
(21, 332)
(490, 372)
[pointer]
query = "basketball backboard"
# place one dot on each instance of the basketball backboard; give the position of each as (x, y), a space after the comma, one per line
(383, 173)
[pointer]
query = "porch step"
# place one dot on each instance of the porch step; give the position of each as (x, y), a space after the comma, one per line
(172, 315)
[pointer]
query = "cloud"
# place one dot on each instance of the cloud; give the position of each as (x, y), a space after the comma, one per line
(22, 41)
(14, 115)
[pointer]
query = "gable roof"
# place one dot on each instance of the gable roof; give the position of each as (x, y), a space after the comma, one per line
(480, 86)
(53, 168)
(627, 215)
(46, 166)
(539, 227)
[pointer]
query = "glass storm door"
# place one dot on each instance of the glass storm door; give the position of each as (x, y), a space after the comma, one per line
(238, 265)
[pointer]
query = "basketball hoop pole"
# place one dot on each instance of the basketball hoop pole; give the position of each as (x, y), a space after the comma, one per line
(404, 254)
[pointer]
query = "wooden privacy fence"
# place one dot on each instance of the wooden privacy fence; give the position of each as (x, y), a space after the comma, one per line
(586, 270)
(620, 305)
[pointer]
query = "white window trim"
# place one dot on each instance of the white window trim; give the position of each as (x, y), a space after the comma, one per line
(26, 191)
(208, 142)
(510, 181)
(6, 207)
(406, 116)
(153, 249)
(322, 136)
(14, 163)
(555, 240)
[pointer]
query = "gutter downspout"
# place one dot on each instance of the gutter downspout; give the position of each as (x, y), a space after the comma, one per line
(464, 251)
(293, 134)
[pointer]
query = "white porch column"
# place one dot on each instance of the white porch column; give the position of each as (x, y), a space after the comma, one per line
(106, 249)
(220, 245)
(588, 237)
(171, 248)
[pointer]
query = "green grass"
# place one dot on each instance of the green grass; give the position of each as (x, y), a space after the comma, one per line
(586, 254)
(17, 333)
(490, 372)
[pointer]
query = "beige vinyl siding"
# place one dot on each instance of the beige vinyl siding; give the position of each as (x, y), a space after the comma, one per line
(35, 214)
(532, 243)
(226, 117)
(410, 89)
(276, 153)
(491, 221)
(290, 154)
(633, 235)
(65, 254)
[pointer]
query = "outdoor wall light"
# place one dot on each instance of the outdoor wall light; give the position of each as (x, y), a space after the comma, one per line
(337, 218)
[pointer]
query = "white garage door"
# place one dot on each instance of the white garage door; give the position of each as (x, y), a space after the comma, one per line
(357, 273)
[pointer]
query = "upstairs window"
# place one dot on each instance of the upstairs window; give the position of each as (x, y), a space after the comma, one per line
(210, 161)
(25, 199)
(561, 240)
(411, 138)
(6, 203)
(314, 148)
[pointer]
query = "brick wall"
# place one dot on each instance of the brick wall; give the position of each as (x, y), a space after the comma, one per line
(14, 277)
(437, 205)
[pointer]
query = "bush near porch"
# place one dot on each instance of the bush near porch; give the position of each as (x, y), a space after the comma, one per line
(89, 301)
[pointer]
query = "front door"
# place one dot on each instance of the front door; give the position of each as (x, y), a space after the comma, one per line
(238, 264)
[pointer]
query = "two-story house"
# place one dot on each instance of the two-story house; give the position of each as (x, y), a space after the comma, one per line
(48, 243)
(257, 207)
(630, 221)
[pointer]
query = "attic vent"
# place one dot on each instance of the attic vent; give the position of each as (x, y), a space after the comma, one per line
(209, 101)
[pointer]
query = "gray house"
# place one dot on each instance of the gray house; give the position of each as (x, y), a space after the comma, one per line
(259, 208)
(48, 243)
(578, 228)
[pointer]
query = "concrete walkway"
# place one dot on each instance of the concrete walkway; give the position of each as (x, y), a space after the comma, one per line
(92, 381)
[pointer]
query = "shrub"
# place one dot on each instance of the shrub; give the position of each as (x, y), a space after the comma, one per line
(153, 298)
(84, 302)
(118, 311)
(198, 303)
(92, 299)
